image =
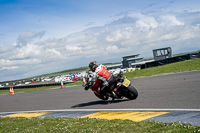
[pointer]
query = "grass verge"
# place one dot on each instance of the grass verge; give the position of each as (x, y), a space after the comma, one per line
(28, 89)
(76, 125)
(183, 66)
(38, 88)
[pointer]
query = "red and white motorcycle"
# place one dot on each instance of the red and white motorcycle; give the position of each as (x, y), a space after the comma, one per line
(121, 88)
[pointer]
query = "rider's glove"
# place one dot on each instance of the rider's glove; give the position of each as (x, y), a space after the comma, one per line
(86, 87)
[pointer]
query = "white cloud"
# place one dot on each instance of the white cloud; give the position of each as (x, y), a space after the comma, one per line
(112, 49)
(73, 48)
(118, 35)
(197, 27)
(146, 23)
(170, 20)
(4, 62)
(8, 68)
(27, 36)
(29, 50)
(131, 33)
(54, 52)
(167, 36)
(114, 36)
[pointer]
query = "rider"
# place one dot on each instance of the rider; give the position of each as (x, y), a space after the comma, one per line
(103, 74)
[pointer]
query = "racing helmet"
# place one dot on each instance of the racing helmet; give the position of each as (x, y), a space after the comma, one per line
(93, 65)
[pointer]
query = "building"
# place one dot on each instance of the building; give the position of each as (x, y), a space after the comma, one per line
(109, 67)
(140, 64)
(128, 60)
(162, 53)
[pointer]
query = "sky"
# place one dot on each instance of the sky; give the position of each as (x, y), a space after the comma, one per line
(44, 36)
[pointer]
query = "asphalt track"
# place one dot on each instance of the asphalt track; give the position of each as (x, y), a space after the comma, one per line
(168, 98)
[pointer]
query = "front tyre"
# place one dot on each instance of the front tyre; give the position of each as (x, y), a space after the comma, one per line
(132, 93)
(103, 97)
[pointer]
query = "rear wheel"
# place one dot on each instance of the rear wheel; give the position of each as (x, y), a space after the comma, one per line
(132, 93)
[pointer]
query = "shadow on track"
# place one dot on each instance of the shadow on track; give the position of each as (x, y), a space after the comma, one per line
(101, 102)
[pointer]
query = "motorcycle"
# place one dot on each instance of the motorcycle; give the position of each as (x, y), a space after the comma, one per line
(121, 88)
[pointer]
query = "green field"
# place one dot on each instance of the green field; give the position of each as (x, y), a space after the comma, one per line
(76, 125)
(183, 66)
(86, 125)
(38, 88)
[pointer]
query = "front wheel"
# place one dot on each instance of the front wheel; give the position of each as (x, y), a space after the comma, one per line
(133, 94)
(103, 97)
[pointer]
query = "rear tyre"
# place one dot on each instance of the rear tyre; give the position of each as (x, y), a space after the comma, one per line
(133, 94)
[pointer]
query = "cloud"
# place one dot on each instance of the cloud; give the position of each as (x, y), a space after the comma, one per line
(26, 51)
(196, 27)
(54, 52)
(170, 20)
(112, 49)
(4, 62)
(73, 48)
(27, 36)
(146, 22)
(127, 34)
(118, 35)
(8, 68)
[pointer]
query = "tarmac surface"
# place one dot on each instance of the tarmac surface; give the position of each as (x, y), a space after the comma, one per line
(167, 98)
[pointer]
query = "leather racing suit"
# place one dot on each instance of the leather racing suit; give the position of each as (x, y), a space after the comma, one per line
(103, 74)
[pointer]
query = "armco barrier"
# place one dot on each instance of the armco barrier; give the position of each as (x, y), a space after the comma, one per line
(32, 86)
